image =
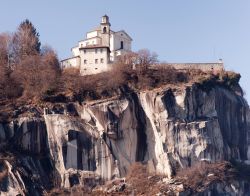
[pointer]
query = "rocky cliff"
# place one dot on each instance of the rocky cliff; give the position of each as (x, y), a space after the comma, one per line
(167, 129)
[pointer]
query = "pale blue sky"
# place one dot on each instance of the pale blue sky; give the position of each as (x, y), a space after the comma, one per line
(177, 30)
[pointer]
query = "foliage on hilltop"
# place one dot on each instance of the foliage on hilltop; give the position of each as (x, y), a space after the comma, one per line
(30, 74)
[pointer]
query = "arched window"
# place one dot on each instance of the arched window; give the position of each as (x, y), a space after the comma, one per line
(121, 44)
(104, 29)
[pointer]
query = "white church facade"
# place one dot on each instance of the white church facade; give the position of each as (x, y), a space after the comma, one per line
(99, 50)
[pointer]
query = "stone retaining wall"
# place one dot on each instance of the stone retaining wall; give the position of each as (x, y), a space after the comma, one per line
(201, 66)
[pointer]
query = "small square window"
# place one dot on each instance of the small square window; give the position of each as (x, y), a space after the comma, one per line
(96, 61)
(85, 61)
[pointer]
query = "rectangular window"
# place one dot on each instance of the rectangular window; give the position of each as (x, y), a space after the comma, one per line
(95, 50)
(84, 51)
(101, 50)
(85, 61)
(96, 61)
(102, 61)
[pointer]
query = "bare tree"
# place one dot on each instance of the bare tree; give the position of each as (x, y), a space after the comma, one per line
(36, 75)
(3, 48)
(3, 57)
(6, 45)
(129, 59)
(145, 58)
(141, 59)
(50, 58)
(5, 70)
(70, 80)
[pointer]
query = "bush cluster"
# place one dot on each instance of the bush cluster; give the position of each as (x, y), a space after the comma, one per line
(32, 72)
(202, 174)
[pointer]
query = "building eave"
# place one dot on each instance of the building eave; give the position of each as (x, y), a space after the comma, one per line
(94, 47)
(70, 58)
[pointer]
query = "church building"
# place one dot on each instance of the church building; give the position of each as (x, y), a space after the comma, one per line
(97, 52)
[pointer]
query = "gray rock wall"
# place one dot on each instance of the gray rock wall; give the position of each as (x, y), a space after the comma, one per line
(164, 128)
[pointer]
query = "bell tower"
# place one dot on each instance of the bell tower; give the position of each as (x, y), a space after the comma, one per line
(105, 30)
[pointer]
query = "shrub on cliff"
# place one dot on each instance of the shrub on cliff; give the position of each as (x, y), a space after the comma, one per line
(202, 174)
(141, 60)
(97, 86)
(25, 69)
(36, 75)
(70, 80)
(8, 84)
(230, 78)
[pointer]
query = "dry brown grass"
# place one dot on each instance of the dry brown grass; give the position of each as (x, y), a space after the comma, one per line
(201, 175)
(76, 191)
(141, 182)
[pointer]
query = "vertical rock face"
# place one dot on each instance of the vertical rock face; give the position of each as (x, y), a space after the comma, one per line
(164, 128)
(25, 155)
(194, 125)
(120, 127)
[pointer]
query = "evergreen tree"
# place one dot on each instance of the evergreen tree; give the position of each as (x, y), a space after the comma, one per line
(26, 40)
